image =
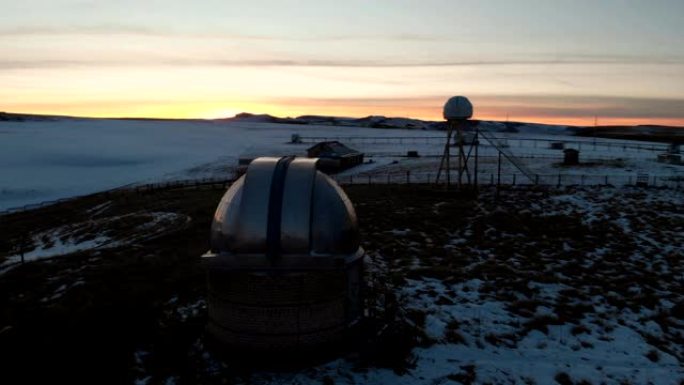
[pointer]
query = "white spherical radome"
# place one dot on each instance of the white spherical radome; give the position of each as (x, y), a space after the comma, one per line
(458, 108)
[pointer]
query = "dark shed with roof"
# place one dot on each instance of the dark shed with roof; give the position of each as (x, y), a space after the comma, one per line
(334, 156)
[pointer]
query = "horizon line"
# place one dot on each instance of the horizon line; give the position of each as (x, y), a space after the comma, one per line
(206, 119)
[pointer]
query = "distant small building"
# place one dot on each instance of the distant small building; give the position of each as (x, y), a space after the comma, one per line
(243, 163)
(334, 156)
(571, 157)
(670, 158)
(245, 160)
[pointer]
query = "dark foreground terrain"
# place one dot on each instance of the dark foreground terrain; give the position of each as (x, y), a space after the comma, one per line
(571, 285)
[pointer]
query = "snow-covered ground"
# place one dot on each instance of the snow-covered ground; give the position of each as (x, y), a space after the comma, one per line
(94, 233)
(616, 161)
(47, 160)
(542, 286)
(597, 300)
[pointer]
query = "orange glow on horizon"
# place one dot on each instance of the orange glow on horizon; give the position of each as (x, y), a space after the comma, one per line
(219, 110)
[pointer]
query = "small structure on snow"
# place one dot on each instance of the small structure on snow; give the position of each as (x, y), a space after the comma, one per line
(571, 157)
(670, 158)
(334, 156)
(674, 148)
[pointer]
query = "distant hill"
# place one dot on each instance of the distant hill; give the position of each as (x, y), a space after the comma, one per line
(369, 121)
(642, 132)
(651, 133)
(10, 117)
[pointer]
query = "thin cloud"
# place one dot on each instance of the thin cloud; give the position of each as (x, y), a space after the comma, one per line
(181, 62)
(78, 30)
(123, 29)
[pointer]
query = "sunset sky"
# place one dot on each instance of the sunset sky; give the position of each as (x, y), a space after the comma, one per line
(560, 61)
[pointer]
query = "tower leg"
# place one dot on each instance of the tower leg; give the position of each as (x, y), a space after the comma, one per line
(476, 143)
(446, 157)
(461, 155)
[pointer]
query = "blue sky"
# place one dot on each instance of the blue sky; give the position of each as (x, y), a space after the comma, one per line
(538, 60)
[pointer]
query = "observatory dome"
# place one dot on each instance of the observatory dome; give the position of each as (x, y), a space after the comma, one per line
(458, 108)
(285, 268)
(284, 206)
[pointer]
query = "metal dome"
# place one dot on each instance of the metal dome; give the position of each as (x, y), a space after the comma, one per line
(287, 211)
(285, 269)
(458, 108)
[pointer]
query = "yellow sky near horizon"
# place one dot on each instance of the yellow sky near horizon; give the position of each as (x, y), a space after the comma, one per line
(567, 62)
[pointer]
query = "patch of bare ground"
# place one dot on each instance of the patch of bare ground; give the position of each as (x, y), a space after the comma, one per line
(582, 266)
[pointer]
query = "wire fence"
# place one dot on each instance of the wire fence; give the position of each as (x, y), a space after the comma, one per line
(551, 180)
(611, 145)
(207, 183)
(593, 158)
(396, 177)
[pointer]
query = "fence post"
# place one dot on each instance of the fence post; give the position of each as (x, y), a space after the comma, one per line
(408, 177)
(351, 179)
(606, 180)
(498, 177)
(559, 180)
(369, 179)
(536, 179)
(514, 179)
